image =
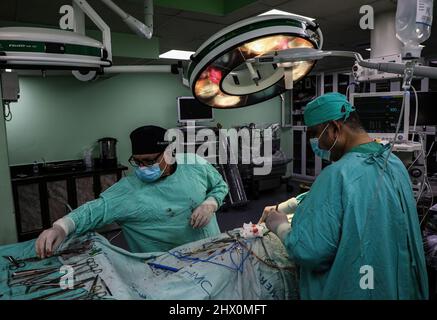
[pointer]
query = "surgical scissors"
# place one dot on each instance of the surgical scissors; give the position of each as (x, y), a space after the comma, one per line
(92, 265)
(15, 264)
(58, 293)
(32, 272)
(30, 277)
(21, 263)
(54, 283)
(96, 291)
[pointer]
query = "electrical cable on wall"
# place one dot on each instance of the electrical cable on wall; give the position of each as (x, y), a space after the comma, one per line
(7, 111)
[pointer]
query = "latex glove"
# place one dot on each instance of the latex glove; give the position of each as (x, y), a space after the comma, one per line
(289, 206)
(49, 240)
(286, 207)
(277, 222)
(202, 214)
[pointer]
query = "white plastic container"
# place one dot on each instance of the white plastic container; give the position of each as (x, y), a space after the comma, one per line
(413, 25)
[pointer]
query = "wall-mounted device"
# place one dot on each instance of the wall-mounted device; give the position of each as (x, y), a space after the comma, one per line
(10, 86)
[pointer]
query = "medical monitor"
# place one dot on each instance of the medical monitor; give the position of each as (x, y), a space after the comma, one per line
(190, 109)
(379, 113)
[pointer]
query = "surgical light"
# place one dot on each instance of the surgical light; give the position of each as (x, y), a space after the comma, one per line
(47, 48)
(220, 76)
(35, 48)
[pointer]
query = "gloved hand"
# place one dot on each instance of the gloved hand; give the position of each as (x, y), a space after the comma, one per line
(286, 207)
(277, 222)
(202, 214)
(265, 214)
(49, 240)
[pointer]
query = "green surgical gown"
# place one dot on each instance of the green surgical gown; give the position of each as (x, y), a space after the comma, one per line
(356, 233)
(156, 216)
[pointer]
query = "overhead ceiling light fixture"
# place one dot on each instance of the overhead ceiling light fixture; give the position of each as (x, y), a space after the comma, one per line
(276, 11)
(8, 70)
(177, 55)
(368, 49)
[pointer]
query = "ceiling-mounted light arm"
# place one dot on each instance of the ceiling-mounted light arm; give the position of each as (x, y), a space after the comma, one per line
(307, 54)
(79, 19)
(142, 69)
(399, 68)
(144, 30)
(298, 54)
(390, 67)
(95, 18)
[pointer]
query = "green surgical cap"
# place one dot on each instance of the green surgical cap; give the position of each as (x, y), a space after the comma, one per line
(330, 106)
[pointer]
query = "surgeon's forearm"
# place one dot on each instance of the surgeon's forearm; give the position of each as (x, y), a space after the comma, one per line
(218, 192)
(217, 187)
(90, 216)
(290, 206)
(67, 224)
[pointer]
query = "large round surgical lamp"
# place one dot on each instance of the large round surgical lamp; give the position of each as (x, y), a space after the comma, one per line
(220, 75)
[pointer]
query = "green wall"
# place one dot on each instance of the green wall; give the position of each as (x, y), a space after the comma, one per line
(7, 219)
(57, 117)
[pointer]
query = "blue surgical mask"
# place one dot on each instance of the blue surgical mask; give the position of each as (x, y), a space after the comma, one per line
(149, 173)
(324, 154)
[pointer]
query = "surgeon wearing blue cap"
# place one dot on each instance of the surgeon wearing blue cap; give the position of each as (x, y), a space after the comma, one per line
(355, 234)
(167, 202)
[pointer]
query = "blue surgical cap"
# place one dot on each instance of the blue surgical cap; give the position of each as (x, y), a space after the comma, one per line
(330, 106)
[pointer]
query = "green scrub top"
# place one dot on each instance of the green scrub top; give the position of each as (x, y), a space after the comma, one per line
(156, 216)
(356, 234)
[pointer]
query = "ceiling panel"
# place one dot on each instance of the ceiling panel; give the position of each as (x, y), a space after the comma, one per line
(248, 11)
(8, 9)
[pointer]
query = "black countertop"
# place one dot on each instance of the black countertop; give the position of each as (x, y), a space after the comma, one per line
(62, 169)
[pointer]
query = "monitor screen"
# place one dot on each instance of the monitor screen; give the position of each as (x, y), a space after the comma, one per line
(380, 113)
(189, 109)
(427, 115)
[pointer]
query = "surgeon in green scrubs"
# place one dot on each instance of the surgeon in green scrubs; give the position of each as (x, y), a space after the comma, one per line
(166, 203)
(355, 234)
